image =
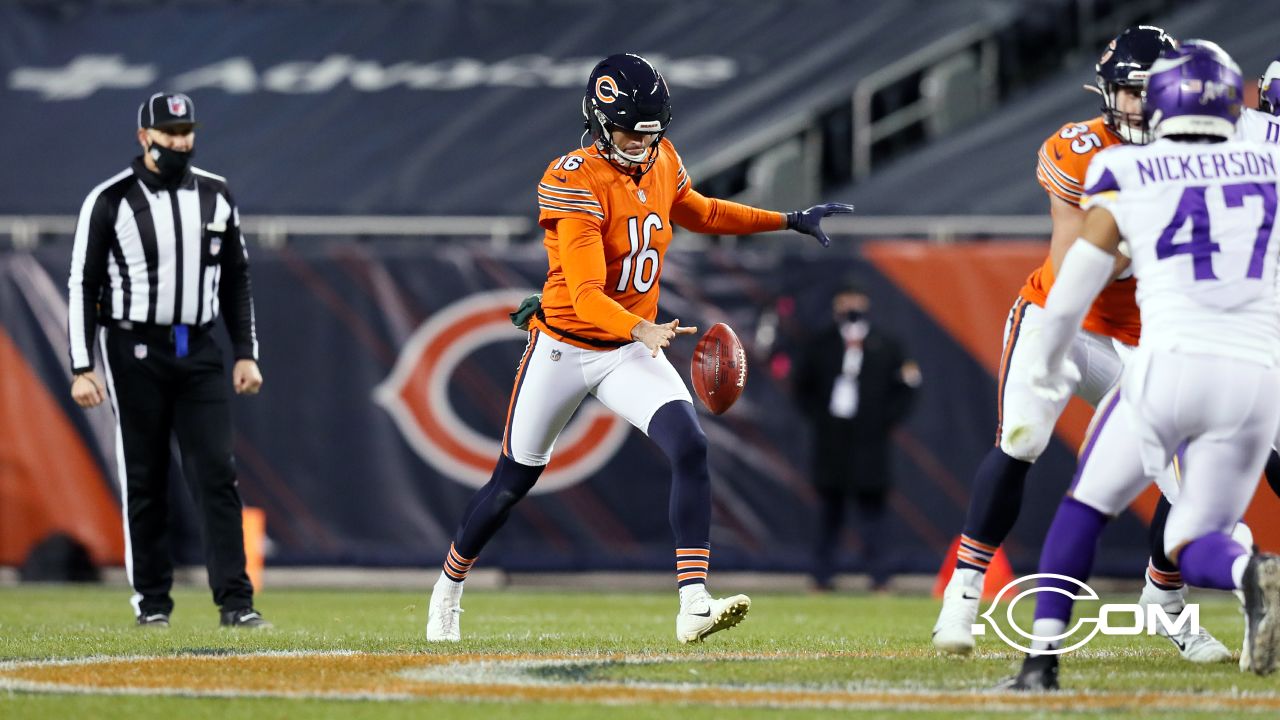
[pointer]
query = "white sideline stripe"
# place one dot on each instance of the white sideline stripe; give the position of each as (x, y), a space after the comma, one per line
(504, 671)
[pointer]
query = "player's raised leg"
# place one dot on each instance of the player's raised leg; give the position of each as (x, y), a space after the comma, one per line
(1221, 478)
(1108, 477)
(649, 393)
(1024, 427)
(548, 388)
(1164, 586)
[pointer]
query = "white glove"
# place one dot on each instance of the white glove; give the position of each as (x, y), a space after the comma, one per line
(1056, 384)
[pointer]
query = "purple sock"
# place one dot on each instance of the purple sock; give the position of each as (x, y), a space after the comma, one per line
(1068, 550)
(1206, 561)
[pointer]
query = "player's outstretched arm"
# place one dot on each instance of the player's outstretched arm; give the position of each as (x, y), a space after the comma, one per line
(809, 221)
(1086, 269)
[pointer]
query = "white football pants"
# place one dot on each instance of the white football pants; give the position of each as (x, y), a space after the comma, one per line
(555, 377)
(1225, 410)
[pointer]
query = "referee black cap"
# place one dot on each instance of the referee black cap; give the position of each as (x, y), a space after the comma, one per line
(167, 110)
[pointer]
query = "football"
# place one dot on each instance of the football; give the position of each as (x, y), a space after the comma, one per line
(719, 369)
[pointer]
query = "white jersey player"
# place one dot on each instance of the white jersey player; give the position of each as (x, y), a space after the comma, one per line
(1263, 125)
(1196, 211)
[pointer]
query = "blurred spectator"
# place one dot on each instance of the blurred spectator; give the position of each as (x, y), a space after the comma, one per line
(854, 384)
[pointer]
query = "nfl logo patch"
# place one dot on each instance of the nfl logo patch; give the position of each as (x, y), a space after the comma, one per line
(555, 356)
(215, 245)
(177, 105)
(643, 198)
(140, 351)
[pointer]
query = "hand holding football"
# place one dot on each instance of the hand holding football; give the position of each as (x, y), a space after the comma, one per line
(719, 368)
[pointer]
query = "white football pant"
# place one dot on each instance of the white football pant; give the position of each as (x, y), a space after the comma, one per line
(555, 377)
(1225, 410)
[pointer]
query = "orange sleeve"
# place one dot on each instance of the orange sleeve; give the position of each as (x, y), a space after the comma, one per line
(582, 259)
(1064, 158)
(696, 212)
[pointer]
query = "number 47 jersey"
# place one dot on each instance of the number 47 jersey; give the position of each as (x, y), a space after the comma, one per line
(1199, 223)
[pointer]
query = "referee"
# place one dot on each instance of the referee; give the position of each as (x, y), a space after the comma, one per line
(158, 256)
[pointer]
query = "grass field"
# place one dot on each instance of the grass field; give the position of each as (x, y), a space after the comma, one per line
(529, 654)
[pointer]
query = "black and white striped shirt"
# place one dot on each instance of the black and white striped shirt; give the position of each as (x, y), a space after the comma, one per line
(160, 254)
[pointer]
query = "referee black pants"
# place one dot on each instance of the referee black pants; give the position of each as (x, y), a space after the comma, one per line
(156, 394)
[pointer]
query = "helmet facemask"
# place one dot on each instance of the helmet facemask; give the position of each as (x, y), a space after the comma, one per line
(1131, 127)
(602, 129)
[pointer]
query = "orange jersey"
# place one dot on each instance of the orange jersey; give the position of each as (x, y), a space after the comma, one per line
(1063, 160)
(607, 236)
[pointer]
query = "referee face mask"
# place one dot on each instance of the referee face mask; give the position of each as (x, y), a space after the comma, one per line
(171, 153)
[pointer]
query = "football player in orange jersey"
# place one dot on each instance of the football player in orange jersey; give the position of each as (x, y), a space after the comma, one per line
(1025, 421)
(608, 210)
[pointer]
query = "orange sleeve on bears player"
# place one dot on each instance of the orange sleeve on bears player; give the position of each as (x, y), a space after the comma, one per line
(696, 212)
(582, 259)
(1064, 158)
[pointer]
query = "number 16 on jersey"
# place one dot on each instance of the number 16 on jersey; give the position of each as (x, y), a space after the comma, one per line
(640, 267)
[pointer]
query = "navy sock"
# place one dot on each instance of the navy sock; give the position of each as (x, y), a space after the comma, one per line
(1163, 571)
(491, 505)
(1272, 472)
(1069, 549)
(675, 429)
(994, 503)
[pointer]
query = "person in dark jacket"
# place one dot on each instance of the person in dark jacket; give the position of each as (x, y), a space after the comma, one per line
(854, 383)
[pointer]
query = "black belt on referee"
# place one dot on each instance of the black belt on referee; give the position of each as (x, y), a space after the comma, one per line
(593, 342)
(167, 334)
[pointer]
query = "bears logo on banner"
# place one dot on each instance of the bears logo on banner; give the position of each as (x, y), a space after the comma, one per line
(416, 395)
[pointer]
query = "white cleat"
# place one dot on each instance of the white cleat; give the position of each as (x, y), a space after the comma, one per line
(703, 615)
(443, 612)
(953, 633)
(1196, 647)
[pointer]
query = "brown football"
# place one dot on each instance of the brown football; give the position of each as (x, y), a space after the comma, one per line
(719, 369)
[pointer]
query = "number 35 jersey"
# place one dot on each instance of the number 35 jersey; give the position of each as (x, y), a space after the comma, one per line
(1199, 221)
(607, 237)
(1063, 160)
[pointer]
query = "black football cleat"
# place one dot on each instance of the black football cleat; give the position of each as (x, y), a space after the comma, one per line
(1261, 588)
(155, 621)
(246, 618)
(1039, 673)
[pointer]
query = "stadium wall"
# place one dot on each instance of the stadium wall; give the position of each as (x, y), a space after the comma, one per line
(388, 369)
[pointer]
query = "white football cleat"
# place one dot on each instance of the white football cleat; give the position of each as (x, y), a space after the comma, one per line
(703, 615)
(953, 633)
(1196, 647)
(443, 612)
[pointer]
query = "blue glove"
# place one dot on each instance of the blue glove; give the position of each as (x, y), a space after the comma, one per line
(809, 221)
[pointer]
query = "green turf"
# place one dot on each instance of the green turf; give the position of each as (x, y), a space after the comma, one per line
(876, 642)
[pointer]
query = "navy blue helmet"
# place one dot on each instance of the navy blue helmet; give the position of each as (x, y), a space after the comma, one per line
(625, 92)
(1124, 65)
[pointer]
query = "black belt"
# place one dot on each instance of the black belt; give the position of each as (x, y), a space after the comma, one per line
(593, 342)
(158, 333)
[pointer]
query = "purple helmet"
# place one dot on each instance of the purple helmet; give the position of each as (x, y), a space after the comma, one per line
(1269, 89)
(1194, 90)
